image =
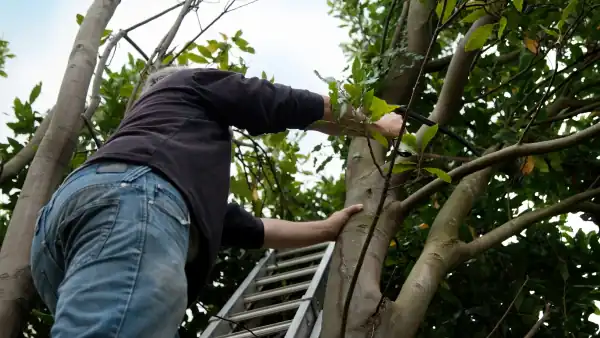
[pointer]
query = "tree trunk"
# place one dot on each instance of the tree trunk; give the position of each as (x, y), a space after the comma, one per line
(47, 169)
(369, 315)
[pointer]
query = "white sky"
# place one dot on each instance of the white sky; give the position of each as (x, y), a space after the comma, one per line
(291, 37)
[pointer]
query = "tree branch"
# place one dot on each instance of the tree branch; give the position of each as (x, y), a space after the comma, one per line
(582, 110)
(157, 56)
(19, 161)
(508, 308)
(539, 323)
(507, 153)
(516, 225)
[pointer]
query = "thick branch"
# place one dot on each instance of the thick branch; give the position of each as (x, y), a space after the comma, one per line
(539, 323)
(440, 252)
(518, 224)
(507, 153)
(457, 77)
(48, 167)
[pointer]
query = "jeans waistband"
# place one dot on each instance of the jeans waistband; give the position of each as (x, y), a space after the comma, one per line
(125, 173)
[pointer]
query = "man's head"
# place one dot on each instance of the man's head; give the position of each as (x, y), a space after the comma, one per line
(158, 75)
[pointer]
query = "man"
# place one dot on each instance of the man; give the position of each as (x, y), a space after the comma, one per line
(128, 240)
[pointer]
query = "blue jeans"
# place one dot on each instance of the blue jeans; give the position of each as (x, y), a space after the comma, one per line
(109, 252)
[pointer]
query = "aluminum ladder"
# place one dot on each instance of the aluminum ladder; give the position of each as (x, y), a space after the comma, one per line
(282, 297)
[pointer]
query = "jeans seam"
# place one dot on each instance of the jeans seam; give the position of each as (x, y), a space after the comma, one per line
(142, 243)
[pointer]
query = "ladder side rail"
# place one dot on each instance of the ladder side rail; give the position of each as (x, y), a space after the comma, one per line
(235, 303)
(307, 313)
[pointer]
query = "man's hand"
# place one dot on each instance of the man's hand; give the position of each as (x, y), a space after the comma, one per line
(389, 125)
(337, 220)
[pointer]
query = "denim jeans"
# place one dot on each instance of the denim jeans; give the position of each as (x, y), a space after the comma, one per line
(109, 252)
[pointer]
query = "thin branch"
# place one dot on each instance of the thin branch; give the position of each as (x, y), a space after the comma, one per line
(400, 24)
(158, 54)
(508, 308)
(19, 161)
(153, 17)
(521, 222)
(226, 10)
(574, 113)
(539, 323)
(95, 94)
(504, 154)
(386, 26)
(136, 47)
(541, 102)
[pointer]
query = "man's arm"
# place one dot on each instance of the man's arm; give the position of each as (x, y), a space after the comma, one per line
(285, 234)
(243, 230)
(260, 106)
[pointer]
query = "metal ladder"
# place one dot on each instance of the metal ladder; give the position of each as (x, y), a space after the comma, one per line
(282, 297)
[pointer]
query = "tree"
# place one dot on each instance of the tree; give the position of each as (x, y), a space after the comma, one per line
(433, 254)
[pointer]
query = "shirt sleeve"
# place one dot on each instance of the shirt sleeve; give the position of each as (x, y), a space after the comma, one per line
(241, 229)
(256, 105)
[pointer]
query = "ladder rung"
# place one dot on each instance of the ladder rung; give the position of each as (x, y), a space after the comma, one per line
(276, 292)
(265, 311)
(286, 275)
(301, 250)
(295, 261)
(260, 331)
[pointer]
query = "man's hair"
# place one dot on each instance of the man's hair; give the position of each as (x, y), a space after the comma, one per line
(157, 76)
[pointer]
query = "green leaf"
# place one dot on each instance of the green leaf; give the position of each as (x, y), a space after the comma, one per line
(182, 59)
(541, 164)
(379, 108)
(126, 90)
(518, 5)
(278, 138)
(402, 167)
(79, 19)
(442, 175)
(204, 51)
(35, 92)
(410, 140)
(429, 135)
(241, 43)
(358, 73)
(3, 73)
(566, 12)
(473, 16)
(238, 34)
(224, 36)
(450, 4)
(555, 161)
(380, 138)
(502, 26)
(479, 37)
(353, 91)
(367, 99)
(196, 58)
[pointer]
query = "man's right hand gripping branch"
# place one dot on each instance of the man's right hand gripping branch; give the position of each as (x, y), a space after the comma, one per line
(129, 238)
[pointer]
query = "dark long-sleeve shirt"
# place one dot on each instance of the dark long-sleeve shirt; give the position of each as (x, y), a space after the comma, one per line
(180, 128)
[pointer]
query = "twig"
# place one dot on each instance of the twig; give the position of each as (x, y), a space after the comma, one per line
(153, 17)
(539, 323)
(156, 57)
(541, 102)
(386, 26)
(136, 47)
(574, 113)
(227, 9)
(90, 128)
(504, 154)
(509, 307)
